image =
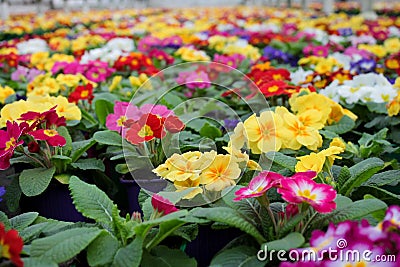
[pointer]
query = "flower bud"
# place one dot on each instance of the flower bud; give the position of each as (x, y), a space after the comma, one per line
(33, 147)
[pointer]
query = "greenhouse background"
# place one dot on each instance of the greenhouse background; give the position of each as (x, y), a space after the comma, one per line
(21, 6)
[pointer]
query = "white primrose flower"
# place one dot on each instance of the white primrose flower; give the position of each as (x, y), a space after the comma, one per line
(32, 46)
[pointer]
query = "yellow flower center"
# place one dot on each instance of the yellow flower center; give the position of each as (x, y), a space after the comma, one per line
(121, 120)
(50, 132)
(5, 252)
(145, 131)
(357, 264)
(354, 89)
(84, 93)
(307, 194)
(392, 64)
(273, 88)
(277, 77)
(386, 97)
(10, 143)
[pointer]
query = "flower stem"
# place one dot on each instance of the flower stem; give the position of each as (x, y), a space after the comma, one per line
(308, 222)
(34, 159)
(264, 201)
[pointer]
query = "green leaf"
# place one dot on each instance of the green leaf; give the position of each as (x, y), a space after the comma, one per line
(231, 217)
(91, 201)
(34, 181)
(345, 125)
(60, 162)
(123, 229)
(380, 193)
(5, 221)
(292, 240)
(80, 147)
(282, 160)
(360, 173)
(210, 131)
(171, 100)
(102, 108)
(377, 107)
(38, 262)
(89, 164)
(210, 106)
(188, 232)
(354, 211)
(328, 134)
(344, 176)
(102, 250)
(63, 178)
(63, 131)
(87, 119)
(141, 228)
(131, 255)
(13, 195)
(249, 207)
(64, 245)
(291, 224)
(165, 230)
(196, 124)
(32, 232)
(391, 177)
(238, 256)
(163, 256)
(21, 221)
(122, 168)
(107, 137)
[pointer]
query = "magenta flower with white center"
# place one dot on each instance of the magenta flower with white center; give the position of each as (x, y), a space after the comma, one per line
(392, 218)
(259, 185)
(122, 112)
(320, 196)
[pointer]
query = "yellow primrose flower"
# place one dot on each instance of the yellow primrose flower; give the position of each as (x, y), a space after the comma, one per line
(240, 157)
(312, 101)
(294, 134)
(5, 92)
(39, 59)
(69, 80)
(222, 172)
(143, 79)
(331, 153)
(350, 114)
(337, 141)
(262, 132)
(377, 50)
(394, 106)
(39, 91)
(13, 111)
(59, 43)
(86, 81)
(43, 85)
(239, 137)
(392, 45)
(182, 167)
(311, 118)
(115, 82)
(191, 54)
(64, 108)
(313, 162)
(189, 183)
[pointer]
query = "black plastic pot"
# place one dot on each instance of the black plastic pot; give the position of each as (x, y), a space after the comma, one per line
(54, 203)
(143, 179)
(209, 242)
